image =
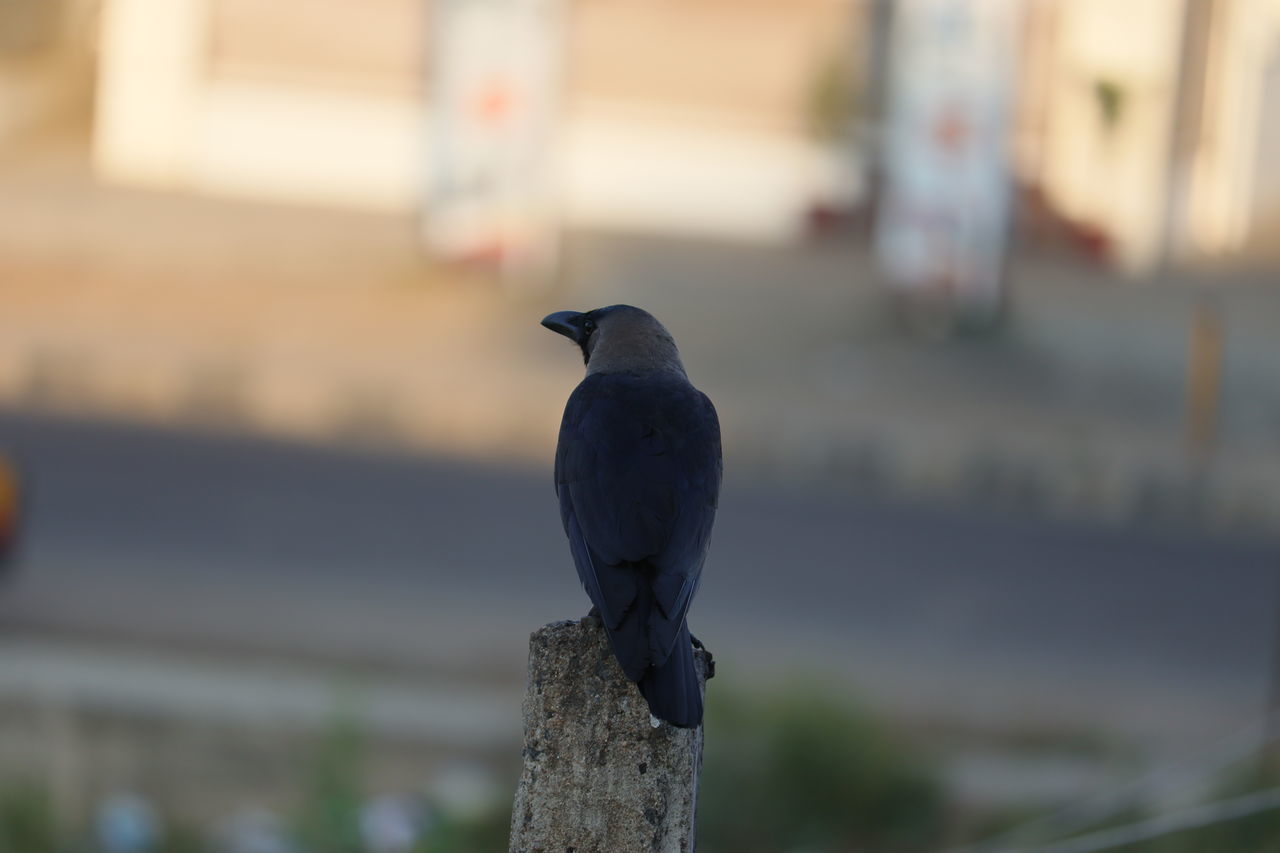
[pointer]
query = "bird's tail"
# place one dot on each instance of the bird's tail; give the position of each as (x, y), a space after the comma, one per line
(672, 690)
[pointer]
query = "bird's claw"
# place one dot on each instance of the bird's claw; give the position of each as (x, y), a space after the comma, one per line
(706, 656)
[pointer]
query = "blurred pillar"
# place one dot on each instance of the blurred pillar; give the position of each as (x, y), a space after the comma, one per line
(942, 226)
(1204, 380)
(1188, 125)
(1225, 176)
(877, 23)
(495, 106)
(152, 58)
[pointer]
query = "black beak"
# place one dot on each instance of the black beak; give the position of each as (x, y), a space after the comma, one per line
(562, 322)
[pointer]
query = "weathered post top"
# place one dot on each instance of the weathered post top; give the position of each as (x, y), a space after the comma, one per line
(598, 776)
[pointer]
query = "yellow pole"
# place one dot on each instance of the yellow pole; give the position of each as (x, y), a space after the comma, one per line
(1204, 379)
(9, 506)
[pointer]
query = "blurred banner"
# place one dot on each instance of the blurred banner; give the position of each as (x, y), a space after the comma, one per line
(943, 225)
(493, 193)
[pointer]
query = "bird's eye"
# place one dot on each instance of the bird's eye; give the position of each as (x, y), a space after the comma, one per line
(588, 326)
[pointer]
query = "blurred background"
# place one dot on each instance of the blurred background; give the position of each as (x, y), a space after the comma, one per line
(986, 293)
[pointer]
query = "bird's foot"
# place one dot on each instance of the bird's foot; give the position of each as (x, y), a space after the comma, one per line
(593, 616)
(706, 655)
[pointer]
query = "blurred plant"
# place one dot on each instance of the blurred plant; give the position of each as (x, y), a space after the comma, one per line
(27, 822)
(801, 772)
(1110, 99)
(329, 821)
(833, 101)
(807, 771)
(182, 838)
(483, 833)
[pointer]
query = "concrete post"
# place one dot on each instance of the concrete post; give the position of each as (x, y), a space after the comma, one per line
(598, 776)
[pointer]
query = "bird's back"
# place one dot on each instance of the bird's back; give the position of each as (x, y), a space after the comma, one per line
(638, 472)
(633, 450)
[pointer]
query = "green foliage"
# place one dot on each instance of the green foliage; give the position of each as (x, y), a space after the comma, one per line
(832, 99)
(27, 823)
(484, 833)
(330, 818)
(329, 821)
(1110, 99)
(800, 771)
(181, 838)
(806, 771)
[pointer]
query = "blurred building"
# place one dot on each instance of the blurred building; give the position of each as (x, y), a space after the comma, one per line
(1142, 129)
(695, 117)
(298, 100)
(1147, 125)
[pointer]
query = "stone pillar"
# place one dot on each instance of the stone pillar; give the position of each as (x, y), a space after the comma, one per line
(599, 776)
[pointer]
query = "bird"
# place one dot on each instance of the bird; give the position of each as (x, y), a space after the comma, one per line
(637, 471)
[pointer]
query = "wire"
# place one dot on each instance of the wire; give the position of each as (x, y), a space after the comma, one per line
(1079, 815)
(1189, 818)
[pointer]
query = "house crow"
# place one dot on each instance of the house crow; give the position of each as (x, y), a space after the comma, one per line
(638, 477)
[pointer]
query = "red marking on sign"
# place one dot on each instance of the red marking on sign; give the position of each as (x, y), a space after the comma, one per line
(951, 130)
(494, 102)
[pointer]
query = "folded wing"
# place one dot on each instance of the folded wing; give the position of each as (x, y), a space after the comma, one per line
(638, 476)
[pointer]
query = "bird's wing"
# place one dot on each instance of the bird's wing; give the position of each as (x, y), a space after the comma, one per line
(638, 476)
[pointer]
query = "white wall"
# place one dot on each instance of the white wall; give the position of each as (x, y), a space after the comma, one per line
(1113, 177)
(164, 120)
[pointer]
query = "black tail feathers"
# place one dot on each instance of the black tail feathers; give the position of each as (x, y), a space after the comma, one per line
(672, 689)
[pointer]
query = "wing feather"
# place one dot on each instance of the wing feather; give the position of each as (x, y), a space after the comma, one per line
(638, 476)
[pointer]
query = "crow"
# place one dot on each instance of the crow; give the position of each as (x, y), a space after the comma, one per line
(637, 471)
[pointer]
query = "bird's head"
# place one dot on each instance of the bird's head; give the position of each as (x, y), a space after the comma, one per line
(618, 339)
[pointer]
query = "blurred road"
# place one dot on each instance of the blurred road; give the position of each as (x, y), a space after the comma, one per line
(237, 545)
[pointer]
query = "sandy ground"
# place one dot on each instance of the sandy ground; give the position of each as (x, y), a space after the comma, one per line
(334, 326)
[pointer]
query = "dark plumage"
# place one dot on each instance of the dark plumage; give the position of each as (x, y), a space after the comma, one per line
(638, 477)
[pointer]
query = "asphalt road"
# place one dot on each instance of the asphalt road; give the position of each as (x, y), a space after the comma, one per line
(163, 539)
